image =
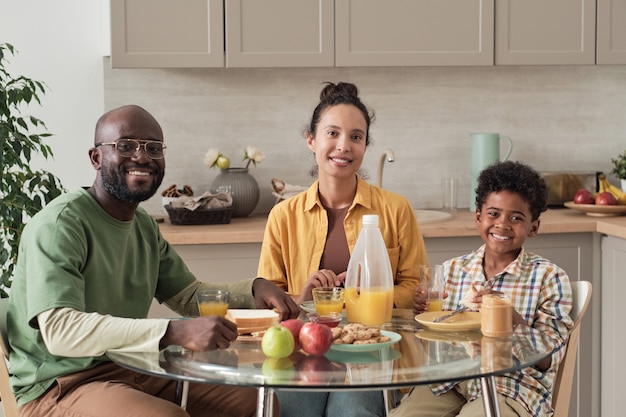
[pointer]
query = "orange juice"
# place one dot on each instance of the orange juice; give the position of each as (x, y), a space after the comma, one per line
(435, 305)
(371, 306)
(327, 307)
(213, 309)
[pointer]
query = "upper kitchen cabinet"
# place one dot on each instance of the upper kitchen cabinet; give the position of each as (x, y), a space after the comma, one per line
(167, 34)
(413, 32)
(364, 33)
(539, 32)
(280, 33)
(611, 46)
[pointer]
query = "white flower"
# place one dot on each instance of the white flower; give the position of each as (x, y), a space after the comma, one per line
(214, 158)
(210, 158)
(254, 155)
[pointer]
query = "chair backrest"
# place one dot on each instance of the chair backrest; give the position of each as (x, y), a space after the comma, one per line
(9, 404)
(581, 292)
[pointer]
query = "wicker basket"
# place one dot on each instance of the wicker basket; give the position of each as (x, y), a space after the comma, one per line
(182, 216)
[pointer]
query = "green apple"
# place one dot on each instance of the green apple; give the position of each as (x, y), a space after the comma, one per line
(278, 370)
(277, 342)
(223, 162)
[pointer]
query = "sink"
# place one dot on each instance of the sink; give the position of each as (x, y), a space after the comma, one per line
(431, 216)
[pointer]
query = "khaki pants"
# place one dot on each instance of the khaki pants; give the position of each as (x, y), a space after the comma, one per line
(109, 390)
(421, 402)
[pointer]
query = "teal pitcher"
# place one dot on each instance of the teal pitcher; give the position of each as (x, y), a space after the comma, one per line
(485, 151)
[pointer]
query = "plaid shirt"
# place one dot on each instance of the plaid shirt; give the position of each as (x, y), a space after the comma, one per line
(541, 293)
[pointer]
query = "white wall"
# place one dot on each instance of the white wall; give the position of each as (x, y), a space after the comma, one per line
(559, 118)
(61, 43)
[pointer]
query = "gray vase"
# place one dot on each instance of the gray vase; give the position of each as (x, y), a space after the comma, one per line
(243, 188)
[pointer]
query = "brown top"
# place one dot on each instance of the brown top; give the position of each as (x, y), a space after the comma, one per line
(336, 252)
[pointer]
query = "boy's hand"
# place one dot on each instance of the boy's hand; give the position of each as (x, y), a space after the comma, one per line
(478, 296)
(420, 300)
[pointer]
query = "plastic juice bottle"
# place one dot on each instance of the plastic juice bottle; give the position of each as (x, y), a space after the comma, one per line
(369, 284)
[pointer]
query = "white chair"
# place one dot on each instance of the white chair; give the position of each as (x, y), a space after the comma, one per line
(9, 404)
(581, 292)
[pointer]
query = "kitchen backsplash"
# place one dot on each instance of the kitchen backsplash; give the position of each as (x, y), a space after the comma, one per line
(559, 118)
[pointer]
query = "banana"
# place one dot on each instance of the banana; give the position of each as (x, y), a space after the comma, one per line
(606, 186)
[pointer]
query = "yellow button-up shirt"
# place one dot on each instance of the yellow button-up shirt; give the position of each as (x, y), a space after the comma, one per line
(297, 228)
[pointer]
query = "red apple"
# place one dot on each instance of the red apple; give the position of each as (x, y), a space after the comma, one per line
(583, 196)
(294, 325)
(314, 368)
(315, 338)
(605, 199)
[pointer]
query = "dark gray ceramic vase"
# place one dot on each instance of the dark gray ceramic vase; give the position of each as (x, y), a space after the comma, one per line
(243, 188)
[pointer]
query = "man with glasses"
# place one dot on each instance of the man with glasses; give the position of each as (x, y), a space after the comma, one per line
(89, 265)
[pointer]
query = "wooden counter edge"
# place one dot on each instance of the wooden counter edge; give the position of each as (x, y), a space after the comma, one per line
(251, 229)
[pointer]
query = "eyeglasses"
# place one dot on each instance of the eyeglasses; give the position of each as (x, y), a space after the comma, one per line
(129, 147)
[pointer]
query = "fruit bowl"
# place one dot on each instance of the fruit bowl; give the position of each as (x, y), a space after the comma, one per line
(596, 210)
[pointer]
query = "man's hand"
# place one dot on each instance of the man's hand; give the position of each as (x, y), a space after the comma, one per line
(267, 295)
(200, 334)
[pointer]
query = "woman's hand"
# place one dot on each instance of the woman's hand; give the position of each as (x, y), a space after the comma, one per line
(321, 278)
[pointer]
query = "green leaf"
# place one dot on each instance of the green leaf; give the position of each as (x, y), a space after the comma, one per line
(23, 192)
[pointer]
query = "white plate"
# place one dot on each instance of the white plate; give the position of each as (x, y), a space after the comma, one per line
(309, 307)
(344, 347)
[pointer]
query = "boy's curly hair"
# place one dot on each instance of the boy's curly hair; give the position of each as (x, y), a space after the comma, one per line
(514, 177)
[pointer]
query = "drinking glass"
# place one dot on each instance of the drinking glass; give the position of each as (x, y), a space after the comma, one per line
(213, 302)
(328, 300)
(432, 282)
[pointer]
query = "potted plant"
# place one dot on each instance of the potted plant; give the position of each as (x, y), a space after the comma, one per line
(23, 191)
(619, 168)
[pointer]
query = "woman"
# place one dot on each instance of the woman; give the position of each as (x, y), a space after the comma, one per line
(309, 237)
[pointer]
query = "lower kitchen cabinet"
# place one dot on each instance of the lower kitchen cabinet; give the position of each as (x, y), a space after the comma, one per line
(215, 263)
(613, 336)
(576, 253)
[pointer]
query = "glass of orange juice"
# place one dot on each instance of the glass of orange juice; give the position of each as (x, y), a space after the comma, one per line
(432, 282)
(328, 300)
(213, 302)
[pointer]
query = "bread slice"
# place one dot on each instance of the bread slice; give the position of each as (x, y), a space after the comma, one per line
(248, 320)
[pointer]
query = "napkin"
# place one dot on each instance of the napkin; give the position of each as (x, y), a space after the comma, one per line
(206, 201)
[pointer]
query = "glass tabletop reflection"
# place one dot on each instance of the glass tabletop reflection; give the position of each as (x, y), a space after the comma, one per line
(420, 356)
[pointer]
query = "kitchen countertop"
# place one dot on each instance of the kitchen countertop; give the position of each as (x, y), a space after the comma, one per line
(250, 229)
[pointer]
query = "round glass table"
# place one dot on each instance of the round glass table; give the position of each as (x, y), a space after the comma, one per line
(415, 355)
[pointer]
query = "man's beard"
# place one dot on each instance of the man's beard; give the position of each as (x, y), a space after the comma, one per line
(114, 183)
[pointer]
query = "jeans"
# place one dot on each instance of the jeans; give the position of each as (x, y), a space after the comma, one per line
(322, 404)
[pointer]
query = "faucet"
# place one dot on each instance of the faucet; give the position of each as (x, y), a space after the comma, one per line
(390, 157)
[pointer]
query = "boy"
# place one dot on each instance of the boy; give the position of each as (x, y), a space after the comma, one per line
(510, 197)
